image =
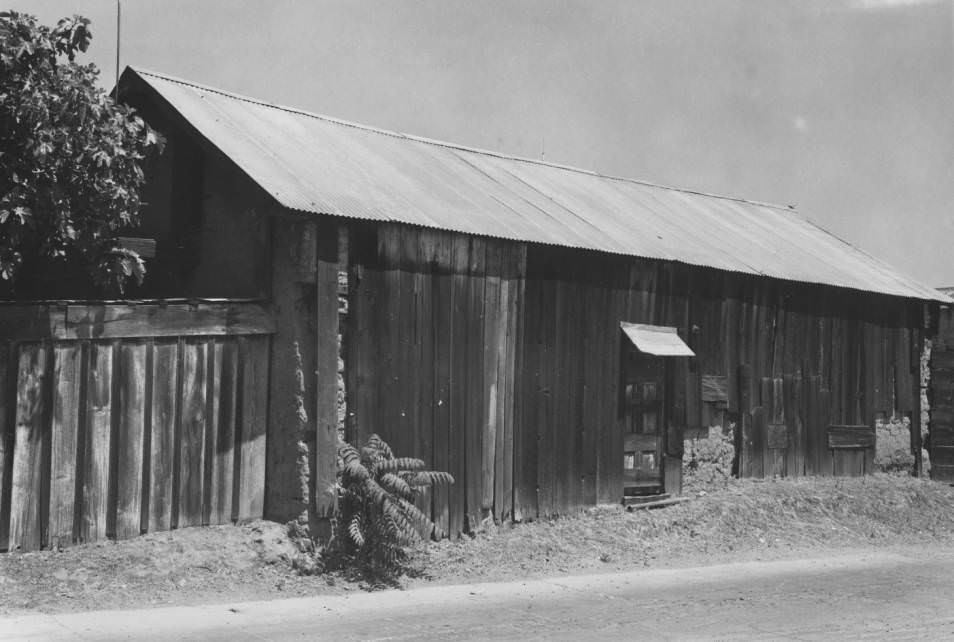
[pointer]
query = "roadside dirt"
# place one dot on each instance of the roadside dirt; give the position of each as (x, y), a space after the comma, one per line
(186, 566)
(747, 521)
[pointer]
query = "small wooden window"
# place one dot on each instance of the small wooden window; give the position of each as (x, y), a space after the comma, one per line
(629, 461)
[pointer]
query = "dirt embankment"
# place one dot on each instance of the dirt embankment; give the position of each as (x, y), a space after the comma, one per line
(746, 520)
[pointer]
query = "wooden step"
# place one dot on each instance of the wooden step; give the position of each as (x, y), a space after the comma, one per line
(662, 503)
(633, 500)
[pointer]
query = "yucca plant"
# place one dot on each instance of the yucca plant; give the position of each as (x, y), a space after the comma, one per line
(377, 517)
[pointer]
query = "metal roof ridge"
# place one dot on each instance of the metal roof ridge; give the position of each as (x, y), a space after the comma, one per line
(449, 145)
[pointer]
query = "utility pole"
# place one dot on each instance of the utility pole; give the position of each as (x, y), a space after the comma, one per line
(118, 15)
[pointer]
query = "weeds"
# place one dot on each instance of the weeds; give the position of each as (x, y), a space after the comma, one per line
(378, 519)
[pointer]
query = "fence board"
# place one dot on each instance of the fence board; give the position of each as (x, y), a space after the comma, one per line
(222, 458)
(165, 400)
(98, 428)
(193, 421)
(8, 365)
(65, 453)
(26, 522)
(97, 438)
(35, 322)
(132, 413)
(251, 481)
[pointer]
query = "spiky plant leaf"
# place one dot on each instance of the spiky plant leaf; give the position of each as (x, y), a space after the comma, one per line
(354, 530)
(379, 445)
(396, 485)
(399, 464)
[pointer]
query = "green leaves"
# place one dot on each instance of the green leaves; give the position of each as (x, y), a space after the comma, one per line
(70, 158)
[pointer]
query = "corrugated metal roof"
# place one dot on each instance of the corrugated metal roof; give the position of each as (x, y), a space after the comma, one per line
(323, 165)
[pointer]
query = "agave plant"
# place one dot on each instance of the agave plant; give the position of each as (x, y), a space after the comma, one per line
(378, 518)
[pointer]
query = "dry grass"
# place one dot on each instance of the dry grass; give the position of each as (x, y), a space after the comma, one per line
(747, 519)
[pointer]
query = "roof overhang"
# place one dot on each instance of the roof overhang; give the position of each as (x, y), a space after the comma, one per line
(658, 340)
(313, 164)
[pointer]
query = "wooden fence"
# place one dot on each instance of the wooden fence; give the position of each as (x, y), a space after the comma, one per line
(117, 419)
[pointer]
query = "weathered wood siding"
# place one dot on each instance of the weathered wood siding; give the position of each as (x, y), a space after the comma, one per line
(942, 399)
(500, 362)
(794, 358)
(117, 420)
(431, 343)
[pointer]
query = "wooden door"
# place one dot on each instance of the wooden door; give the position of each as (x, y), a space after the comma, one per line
(644, 412)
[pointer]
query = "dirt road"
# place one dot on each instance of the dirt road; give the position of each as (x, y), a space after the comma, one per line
(897, 594)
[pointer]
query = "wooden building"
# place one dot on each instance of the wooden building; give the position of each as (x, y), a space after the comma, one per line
(941, 395)
(546, 334)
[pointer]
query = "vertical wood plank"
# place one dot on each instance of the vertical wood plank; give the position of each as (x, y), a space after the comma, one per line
(213, 403)
(251, 484)
(165, 401)
(99, 402)
(65, 450)
(475, 400)
(760, 428)
(492, 345)
(593, 310)
(132, 413)
(441, 331)
(422, 247)
(8, 375)
(222, 431)
(193, 420)
(547, 381)
(326, 348)
(501, 489)
(745, 440)
(27, 512)
(459, 382)
(514, 346)
(524, 432)
(779, 456)
(824, 419)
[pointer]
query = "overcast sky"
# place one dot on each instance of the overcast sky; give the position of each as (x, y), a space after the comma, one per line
(844, 108)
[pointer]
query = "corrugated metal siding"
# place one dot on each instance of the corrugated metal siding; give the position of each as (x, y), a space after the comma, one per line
(325, 166)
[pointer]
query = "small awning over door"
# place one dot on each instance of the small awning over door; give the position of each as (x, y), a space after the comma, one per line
(658, 340)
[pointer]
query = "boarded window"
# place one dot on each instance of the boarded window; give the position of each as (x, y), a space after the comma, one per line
(715, 389)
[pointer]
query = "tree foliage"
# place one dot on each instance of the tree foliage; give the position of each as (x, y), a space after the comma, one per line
(377, 516)
(70, 157)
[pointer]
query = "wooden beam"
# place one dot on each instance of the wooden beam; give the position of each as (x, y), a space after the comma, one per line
(123, 320)
(326, 348)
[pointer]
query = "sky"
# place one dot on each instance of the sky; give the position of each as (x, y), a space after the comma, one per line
(842, 108)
